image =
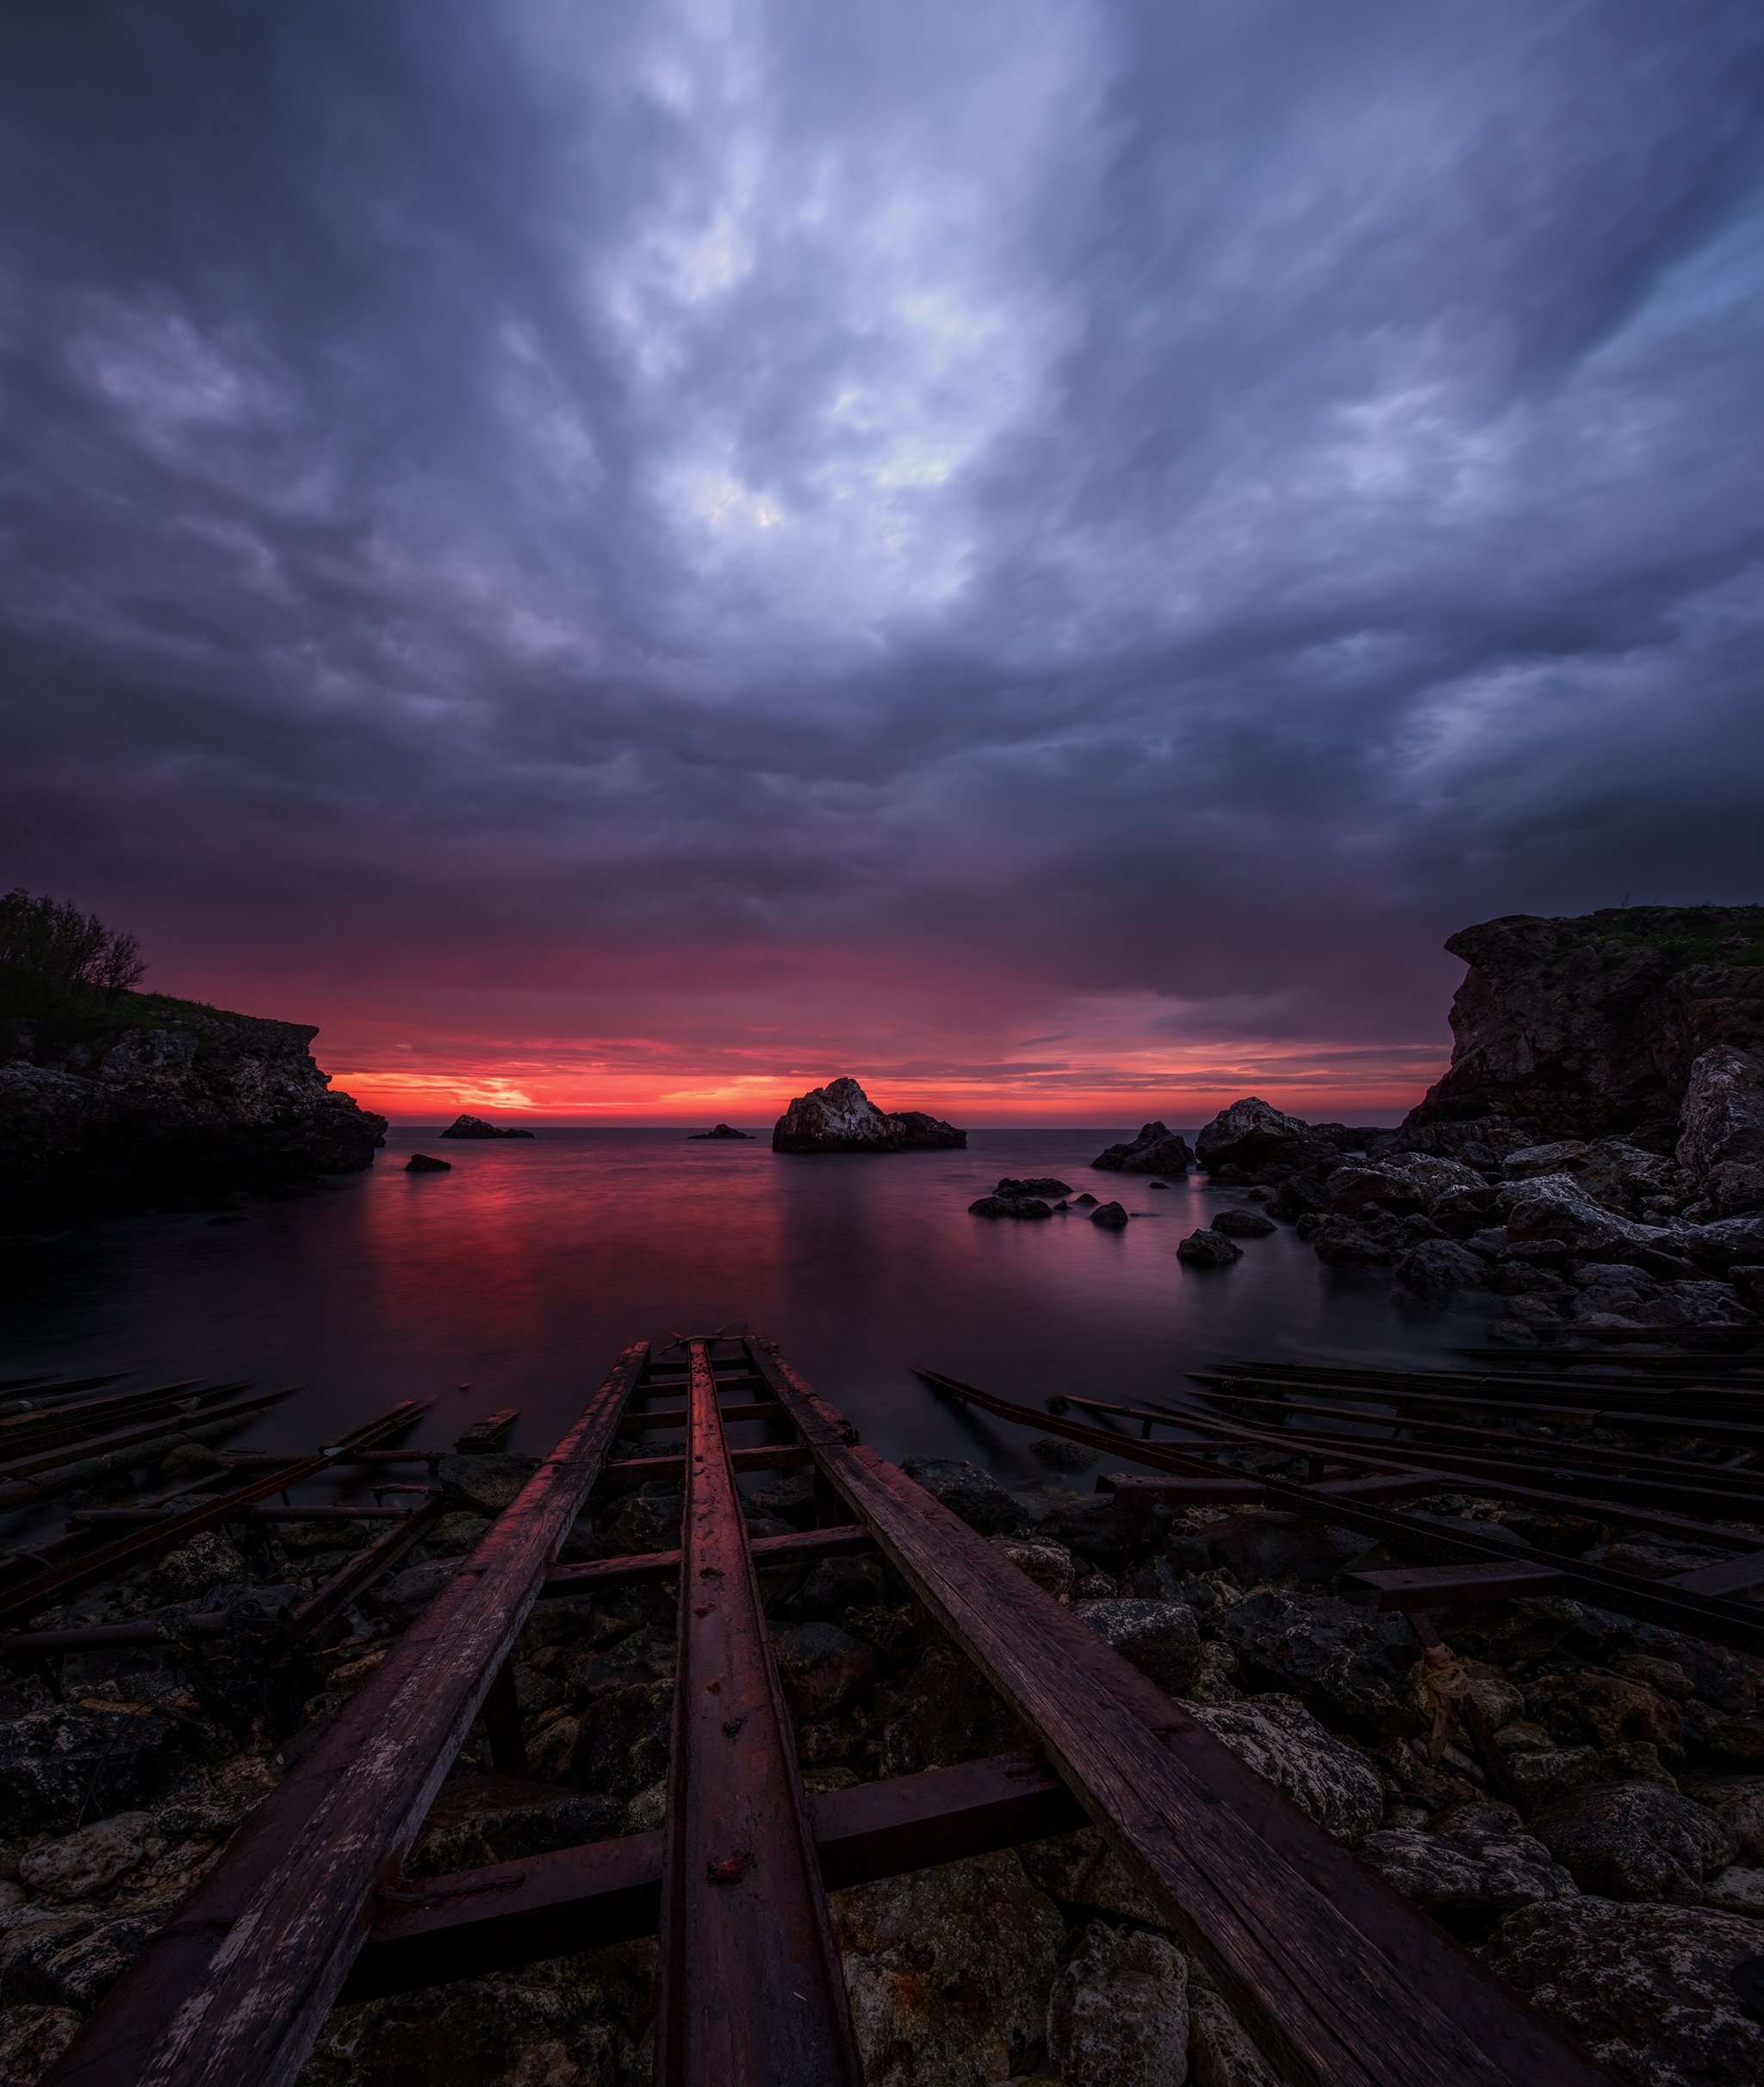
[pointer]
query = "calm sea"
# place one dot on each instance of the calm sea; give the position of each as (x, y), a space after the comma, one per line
(514, 1280)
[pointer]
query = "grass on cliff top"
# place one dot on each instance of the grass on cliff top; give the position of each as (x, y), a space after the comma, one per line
(75, 1015)
(1689, 935)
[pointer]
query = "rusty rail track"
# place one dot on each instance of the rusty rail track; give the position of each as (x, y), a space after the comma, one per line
(1343, 1983)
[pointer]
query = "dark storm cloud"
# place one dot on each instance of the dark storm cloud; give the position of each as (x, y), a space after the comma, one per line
(1170, 508)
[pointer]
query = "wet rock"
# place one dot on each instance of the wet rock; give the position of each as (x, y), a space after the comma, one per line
(1351, 1662)
(1059, 1455)
(31, 2039)
(58, 1766)
(1206, 1248)
(453, 1536)
(1035, 1184)
(1010, 1206)
(1719, 1245)
(1345, 1244)
(1118, 2015)
(1220, 2053)
(1281, 1548)
(405, 1596)
(1721, 1121)
(1156, 1149)
(1099, 1527)
(1512, 1632)
(1329, 1780)
(1047, 1563)
(479, 1820)
(1435, 1269)
(70, 1959)
(1636, 1841)
(1251, 1134)
(1081, 1869)
(1161, 1639)
(948, 1972)
(841, 1117)
(1739, 1800)
(1360, 1187)
(209, 1560)
(1111, 1216)
(1646, 1988)
(1243, 1224)
(619, 1744)
(87, 1860)
(1604, 1710)
(1555, 1210)
(1298, 1196)
(426, 1162)
(1474, 1864)
(1085, 1200)
(942, 1713)
(973, 1494)
(834, 1586)
(821, 1667)
(485, 1485)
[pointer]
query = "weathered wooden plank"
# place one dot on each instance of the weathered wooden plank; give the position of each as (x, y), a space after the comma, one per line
(648, 1566)
(749, 1991)
(675, 1416)
(512, 1913)
(1342, 1982)
(1184, 1492)
(233, 1990)
(1437, 1587)
(1728, 1576)
(784, 1457)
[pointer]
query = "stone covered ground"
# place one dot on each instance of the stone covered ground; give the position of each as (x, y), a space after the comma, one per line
(1620, 1903)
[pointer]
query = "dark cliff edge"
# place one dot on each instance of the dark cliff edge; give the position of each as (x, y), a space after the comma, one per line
(1589, 1025)
(135, 1100)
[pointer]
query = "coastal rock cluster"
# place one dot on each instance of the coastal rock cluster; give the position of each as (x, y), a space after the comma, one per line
(841, 1117)
(476, 1126)
(168, 1103)
(1619, 1892)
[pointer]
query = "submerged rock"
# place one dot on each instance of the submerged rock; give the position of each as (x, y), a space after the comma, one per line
(1243, 1224)
(1111, 1216)
(1208, 1248)
(1009, 1206)
(1036, 1184)
(841, 1117)
(1156, 1149)
(423, 1163)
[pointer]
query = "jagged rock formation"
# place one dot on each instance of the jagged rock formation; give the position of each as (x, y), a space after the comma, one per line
(143, 1100)
(1585, 1026)
(718, 1130)
(476, 1126)
(841, 1117)
(1155, 1151)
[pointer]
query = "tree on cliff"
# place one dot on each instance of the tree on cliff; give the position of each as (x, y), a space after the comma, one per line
(49, 949)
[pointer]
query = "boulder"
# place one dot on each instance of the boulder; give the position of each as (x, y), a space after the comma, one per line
(821, 1667)
(1435, 1269)
(484, 1485)
(971, 1493)
(1556, 1211)
(1721, 1245)
(32, 2038)
(1100, 1527)
(841, 1117)
(948, 1972)
(1243, 1224)
(1345, 1244)
(1474, 1864)
(1009, 1206)
(719, 1130)
(1739, 1799)
(87, 1860)
(1349, 1661)
(1047, 1563)
(1111, 1216)
(1647, 1989)
(1220, 2053)
(476, 1126)
(1161, 1639)
(58, 1766)
(1261, 1548)
(1330, 1781)
(941, 1712)
(1636, 1841)
(1156, 1149)
(1251, 1135)
(425, 1163)
(1036, 1184)
(1721, 1122)
(1206, 1248)
(1118, 2015)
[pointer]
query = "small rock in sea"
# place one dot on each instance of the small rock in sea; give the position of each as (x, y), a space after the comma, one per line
(1010, 1206)
(1063, 1205)
(1206, 1249)
(1062, 1455)
(1243, 1224)
(1155, 1151)
(1035, 1184)
(421, 1163)
(1110, 1214)
(1085, 1198)
(1157, 1185)
(719, 1130)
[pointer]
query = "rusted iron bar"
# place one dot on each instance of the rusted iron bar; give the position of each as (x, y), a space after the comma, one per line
(350, 1581)
(267, 1460)
(1334, 1974)
(488, 1434)
(232, 1992)
(54, 1471)
(648, 1566)
(1718, 1620)
(1727, 1576)
(1654, 1384)
(36, 1431)
(1435, 1586)
(61, 1580)
(748, 1987)
(30, 1464)
(512, 1913)
(258, 1511)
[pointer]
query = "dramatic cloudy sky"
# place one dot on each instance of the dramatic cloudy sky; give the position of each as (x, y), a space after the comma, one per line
(629, 557)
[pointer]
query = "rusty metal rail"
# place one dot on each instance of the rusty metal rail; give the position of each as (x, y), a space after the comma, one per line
(1343, 1983)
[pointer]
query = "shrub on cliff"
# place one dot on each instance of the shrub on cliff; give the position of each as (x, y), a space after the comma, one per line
(50, 951)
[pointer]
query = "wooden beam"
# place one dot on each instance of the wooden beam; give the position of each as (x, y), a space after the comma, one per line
(1437, 1587)
(748, 1988)
(806, 1547)
(233, 1990)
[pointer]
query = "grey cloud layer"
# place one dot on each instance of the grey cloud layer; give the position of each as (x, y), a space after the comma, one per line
(1191, 502)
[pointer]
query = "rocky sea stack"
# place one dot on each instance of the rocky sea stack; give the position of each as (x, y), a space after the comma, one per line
(476, 1126)
(719, 1131)
(841, 1117)
(135, 1100)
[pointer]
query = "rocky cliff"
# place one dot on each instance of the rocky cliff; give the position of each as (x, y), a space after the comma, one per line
(841, 1117)
(1583, 1027)
(143, 1100)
